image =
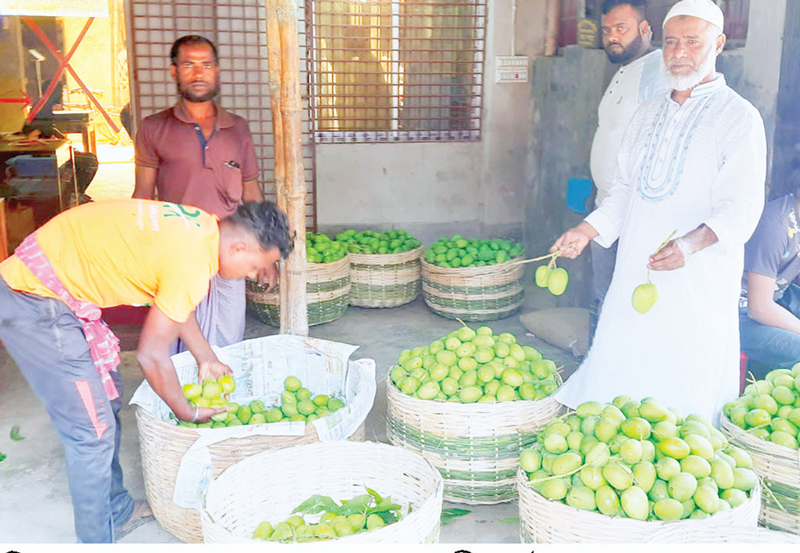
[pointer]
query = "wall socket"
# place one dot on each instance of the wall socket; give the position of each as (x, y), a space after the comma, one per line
(511, 69)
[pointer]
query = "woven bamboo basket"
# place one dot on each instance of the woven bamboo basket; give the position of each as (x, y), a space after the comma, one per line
(474, 293)
(545, 521)
(723, 534)
(327, 294)
(384, 280)
(779, 469)
(270, 485)
(475, 446)
(162, 447)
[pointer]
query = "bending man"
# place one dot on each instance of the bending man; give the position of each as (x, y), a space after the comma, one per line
(104, 254)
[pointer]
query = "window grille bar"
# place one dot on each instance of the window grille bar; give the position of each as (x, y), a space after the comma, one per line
(394, 70)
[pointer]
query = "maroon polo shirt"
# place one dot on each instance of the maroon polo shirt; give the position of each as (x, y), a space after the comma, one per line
(192, 170)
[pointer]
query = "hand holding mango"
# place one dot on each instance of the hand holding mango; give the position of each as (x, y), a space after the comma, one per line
(555, 279)
(645, 295)
(210, 395)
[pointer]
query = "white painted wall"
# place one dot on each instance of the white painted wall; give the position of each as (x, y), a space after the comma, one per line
(398, 184)
(474, 184)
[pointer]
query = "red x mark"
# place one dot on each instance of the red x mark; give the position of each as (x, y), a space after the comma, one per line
(64, 64)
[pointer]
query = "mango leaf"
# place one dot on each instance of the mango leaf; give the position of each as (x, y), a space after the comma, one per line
(449, 514)
(376, 495)
(318, 504)
(385, 506)
(357, 505)
(15, 434)
(388, 517)
(2, 457)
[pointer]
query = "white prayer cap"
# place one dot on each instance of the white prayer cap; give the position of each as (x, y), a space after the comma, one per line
(701, 9)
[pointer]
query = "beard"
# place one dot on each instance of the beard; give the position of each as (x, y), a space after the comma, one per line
(186, 92)
(686, 82)
(626, 53)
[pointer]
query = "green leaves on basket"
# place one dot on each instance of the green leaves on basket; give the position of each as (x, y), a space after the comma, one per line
(448, 515)
(15, 434)
(2, 457)
(317, 504)
(367, 504)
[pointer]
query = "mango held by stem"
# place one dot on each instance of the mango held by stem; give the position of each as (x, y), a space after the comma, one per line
(557, 281)
(644, 297)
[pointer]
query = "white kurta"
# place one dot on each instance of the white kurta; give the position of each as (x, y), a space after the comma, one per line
(679, 166)
(632, 84)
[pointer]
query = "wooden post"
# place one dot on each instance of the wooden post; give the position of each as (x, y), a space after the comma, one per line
(274, 63)
(551, 33)
(291, 106)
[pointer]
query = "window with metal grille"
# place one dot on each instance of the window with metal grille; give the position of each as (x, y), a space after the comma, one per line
(396, 70)
(572, 11)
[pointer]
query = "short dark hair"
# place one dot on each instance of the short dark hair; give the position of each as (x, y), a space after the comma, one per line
(638, 5)
(267, 223)
(191, 40)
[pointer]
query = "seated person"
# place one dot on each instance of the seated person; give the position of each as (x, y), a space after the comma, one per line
(769, 306)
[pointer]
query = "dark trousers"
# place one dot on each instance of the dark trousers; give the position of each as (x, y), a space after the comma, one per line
(769, 347)
(46, 340)
(603, 262)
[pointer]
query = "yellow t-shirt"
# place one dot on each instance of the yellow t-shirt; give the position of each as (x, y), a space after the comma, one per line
(127, 252)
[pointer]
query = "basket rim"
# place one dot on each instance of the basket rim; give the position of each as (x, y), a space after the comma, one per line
(470, 271)
(164, 426)
(471, 408)
(385, 258)
(779, 453)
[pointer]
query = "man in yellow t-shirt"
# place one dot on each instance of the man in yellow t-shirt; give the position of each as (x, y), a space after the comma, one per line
(121, 252)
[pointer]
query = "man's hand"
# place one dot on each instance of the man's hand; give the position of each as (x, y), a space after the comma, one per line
(269, 276)
(677, 252)
(213, 368)
(204, 414)
(575, 240)
(672, 256)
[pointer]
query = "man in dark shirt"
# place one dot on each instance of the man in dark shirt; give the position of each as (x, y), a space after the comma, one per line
(769, 307)
(197, 153)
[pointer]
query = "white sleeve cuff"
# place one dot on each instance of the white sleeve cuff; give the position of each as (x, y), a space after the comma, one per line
(607, 232)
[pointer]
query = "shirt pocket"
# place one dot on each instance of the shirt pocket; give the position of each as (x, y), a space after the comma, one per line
(230, 179)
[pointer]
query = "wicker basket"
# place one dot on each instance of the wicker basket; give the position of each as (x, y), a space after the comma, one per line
(327, 294)
(384, 280)
(779, 468)
(474, 293)
(270, 485)
(684, 533)
(162, 447)
(475, 446)
(545, 521)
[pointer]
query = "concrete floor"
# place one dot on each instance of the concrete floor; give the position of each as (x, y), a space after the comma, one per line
(36, 505)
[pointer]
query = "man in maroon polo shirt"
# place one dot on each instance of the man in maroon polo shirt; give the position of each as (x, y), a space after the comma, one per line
(196, 153)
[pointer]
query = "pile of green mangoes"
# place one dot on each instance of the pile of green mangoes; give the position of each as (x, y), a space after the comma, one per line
(460, 252)
(638, 460)
(372, 242)
(296, 404)
(770, 408)
(360, 514)
(321, 249)
(469, 366)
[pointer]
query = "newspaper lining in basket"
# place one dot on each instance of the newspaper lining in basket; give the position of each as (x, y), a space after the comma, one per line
(260, 367)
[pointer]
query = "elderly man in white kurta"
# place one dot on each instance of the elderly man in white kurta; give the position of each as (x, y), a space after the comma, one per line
(692, 161)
